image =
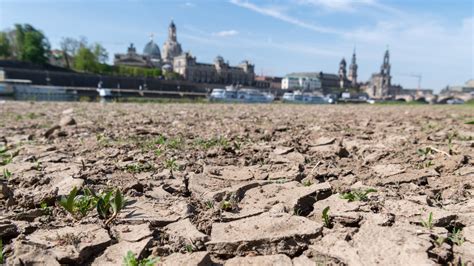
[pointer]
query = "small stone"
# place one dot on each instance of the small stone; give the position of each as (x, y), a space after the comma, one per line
(67, 121)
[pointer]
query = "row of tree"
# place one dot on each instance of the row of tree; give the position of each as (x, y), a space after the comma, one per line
(26, 43)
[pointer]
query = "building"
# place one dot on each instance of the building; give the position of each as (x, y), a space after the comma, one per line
(265, 82)
(300, 81)
(219, 72)
(151, 57)
(171, 47)
(172, 59)
(379, 85)
(468, 87)
(343, 82)
(353, 71)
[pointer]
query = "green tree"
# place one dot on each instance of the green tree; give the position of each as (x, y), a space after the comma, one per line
(31, 44)
(100, 53)
(5, 47)
(86, 60)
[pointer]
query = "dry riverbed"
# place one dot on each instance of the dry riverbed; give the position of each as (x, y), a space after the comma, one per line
(236, 184)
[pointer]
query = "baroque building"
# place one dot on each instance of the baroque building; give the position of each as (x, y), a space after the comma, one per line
(353, 71)
(133, 59)
(342, 73)
(379, 85)
(219, 72)
(171, 47)
(173, 59)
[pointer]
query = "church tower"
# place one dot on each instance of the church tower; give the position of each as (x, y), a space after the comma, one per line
(171, 48)
(385, 73)
(172, 32)
(342, 73)
(353, 71)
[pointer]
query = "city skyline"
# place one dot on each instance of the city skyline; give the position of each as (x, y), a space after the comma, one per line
(279, 37)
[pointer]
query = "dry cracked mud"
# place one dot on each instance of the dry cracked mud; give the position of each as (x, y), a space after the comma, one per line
(212, 184)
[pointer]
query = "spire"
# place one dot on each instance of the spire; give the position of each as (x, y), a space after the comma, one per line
(152, 35)
(353, 62)
(172, 32)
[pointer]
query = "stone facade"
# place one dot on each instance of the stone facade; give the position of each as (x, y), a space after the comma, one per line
(219, 72)
(300, 81)
(172, 59)
(133, 59)
(379, 85)
(171, 48)
(342, 74)
(353, 71)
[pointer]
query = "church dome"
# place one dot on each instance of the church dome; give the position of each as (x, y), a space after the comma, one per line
(151, 49)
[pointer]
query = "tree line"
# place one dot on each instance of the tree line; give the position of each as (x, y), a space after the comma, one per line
(26, 43)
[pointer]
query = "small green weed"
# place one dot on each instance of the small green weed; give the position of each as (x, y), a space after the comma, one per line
(451, 136)
(326, 218)
(78, 205)
(209, 204)
(307, 183)
(209, 143)
(357, 195)
(226, 205)
(2, 260)
(6, 174)
(44, 207)
(108, 204)
(189, 248)
(456, 237)
(131, 260)
(470, 122)
(175, 143)
(440, 240)
(428, 223)
(6, 156)
(136, 168)
(171, 164)
(158, 152)
(108, 207)
(424, 152)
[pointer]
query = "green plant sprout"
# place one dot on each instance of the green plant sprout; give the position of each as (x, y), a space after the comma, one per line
(108, 207)
(189, 248)
(44, 207)
(171, 164)
(2, 259)
(108, 204)
(6, 174)
(357, 195)
(131, 260)
(439, 241)
(209, 204)
(456, 237)
(424, 152)
(428, 223)
(78, 205)
(326, 218)
(307, 183)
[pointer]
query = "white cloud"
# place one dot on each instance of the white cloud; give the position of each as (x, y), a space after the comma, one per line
(189, 5)
(337, 5)
(278, 14)
(226, 33)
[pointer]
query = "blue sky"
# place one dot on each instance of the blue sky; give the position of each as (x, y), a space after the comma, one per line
(434, 38)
